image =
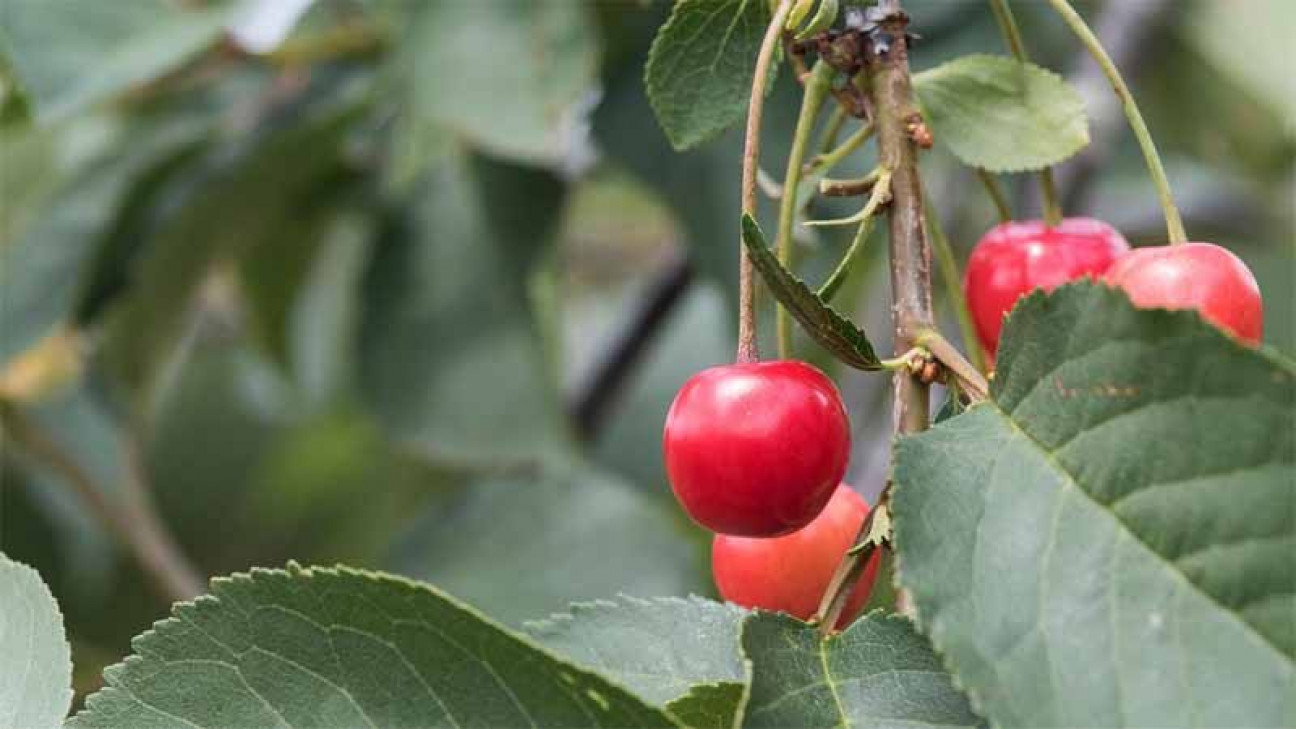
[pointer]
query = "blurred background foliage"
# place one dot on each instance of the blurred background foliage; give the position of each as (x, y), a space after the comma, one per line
(409, 284)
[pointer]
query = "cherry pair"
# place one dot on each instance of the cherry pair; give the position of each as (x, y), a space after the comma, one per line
(1015, 258)
(756, 452)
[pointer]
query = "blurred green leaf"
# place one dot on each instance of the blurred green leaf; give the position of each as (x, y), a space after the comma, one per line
(659, 648)
(1125, 501)
(451, 360)
(35, 659)
(340, 647)
(700, 69)
(508, 76)
(825, 326)
(1252, 45)
(524, 545)
(255, 192)
(71, 54)
(878, 672)
(1002, 115)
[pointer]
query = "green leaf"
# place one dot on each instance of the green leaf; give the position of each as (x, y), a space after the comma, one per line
(1002, 115)
(450, 354)
(659, 648)
(71, 54)
(830, 329)
(342, 647)
(701, 65)
(527, 544)
(507, 75)
(877, 673)
(1108, 541)
(35, 660)
(710, 706)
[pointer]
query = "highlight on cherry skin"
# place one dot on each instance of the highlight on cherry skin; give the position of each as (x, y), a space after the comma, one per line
(791, 573)
(1014, 258)
(756, 449)
(1201, 276)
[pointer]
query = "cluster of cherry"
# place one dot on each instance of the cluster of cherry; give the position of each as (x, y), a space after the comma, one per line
(756, 451)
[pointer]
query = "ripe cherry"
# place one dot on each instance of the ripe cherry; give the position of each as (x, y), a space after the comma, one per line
(791, 573)
(1199, 276)
(756, 449)
(1014, 258)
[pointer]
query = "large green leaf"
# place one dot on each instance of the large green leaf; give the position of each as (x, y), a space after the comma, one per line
(35, 660)
(660, 648)
(69, 54)
(1003, 115)
(878, 673)
(528, 544)
(1109, 540)
(450, 356)
(831, 330)
(506, 75)
(700, 69)
(340, 647)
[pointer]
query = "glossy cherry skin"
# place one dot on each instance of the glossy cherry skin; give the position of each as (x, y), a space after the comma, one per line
(790, 573)
(756, 449)
(1014, 258)
(1200, 276)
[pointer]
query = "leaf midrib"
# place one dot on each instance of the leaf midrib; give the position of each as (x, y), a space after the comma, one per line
(1072, 481)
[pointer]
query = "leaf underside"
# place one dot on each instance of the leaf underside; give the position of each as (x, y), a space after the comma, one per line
(35, 660)
(1109, 540)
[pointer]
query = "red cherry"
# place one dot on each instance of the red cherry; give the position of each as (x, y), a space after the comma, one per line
(1199, 276)
(1014, 258)
(791, 573)
(756, 449)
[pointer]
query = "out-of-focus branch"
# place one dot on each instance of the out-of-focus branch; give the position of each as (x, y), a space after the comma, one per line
(595, 396)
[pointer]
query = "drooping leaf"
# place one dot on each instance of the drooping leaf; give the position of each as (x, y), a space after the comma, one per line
(342, 647)
(1108, 541)
(700, 69)
(450, 354)
(660, 648)
(830, 329)
(35, 660)
(528, 544)
(876, 673)
(509, 76)
(71, 54)
(1002, 115)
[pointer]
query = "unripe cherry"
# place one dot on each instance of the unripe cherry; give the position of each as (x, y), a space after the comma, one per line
(790, 573)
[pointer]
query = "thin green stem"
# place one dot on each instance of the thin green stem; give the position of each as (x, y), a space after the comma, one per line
(829, 160)
(832, 130)
(817, 84)
(969, 377)
(953, 285)
(1174, 223)
(1012, 36)
(747, 349)
(996, 193)
(881, 193)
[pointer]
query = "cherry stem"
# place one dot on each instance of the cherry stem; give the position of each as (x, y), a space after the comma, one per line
(953, 280)
(997, 196)
(817, 83)
(832, 130)
(969, 377)
(828, 160)
(848, 573)
(1012, 36)
(1174, 223)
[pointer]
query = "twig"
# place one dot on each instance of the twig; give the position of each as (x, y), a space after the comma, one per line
(817, 83)
(910, 255)
(132, 519)
(969, 377)
(880, 195)
(747, 349)
(664, 292)
(848, 188)
(1174, 223)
